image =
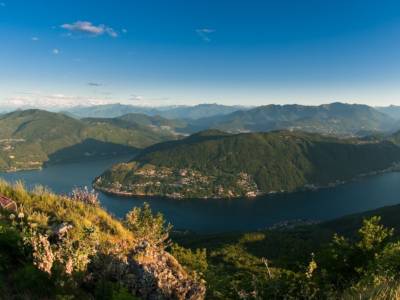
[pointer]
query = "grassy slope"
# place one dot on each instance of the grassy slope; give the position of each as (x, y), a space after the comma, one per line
(61, 209)
(119, 268)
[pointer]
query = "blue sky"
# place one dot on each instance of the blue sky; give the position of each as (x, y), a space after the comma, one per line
(60, 53)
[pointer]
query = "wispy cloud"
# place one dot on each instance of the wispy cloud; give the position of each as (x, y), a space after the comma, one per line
(56, 51)
(37, 99)
(204, 33)
(54, 101)
(124, 30)
(86, 27)
(34, 38)
(94, 84)
(135, 98)
(2, 4)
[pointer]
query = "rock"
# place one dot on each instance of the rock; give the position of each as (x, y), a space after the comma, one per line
(160, 276)
(151, 273)
(59, 231)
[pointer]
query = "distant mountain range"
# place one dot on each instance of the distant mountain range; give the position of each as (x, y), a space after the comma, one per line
(170, 112)
(30, 138)
(334, 119)
(392, 111)
(214, 164)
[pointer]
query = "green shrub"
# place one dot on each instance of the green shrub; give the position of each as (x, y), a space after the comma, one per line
(147, 226)
(192, 260)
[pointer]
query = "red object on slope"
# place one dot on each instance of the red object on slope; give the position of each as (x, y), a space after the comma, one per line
(7, 203)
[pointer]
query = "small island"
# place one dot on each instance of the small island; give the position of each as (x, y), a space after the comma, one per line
(215, 164)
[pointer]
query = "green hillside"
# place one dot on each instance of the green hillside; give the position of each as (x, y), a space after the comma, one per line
(32, 137)
(138, 121)
(216, 164)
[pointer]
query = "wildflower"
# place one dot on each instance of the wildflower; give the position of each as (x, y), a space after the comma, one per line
(85, 196)
(12, 216)
(21, 215)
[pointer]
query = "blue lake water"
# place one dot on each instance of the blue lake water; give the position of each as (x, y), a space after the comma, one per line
(227, 215)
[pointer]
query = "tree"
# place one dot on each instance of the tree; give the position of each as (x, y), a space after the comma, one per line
(147, 226)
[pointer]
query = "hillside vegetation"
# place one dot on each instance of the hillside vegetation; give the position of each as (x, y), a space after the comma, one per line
(30, 138)
(216, 164)
(354, 257)
(68, 247)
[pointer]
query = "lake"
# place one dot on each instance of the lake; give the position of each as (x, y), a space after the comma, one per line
(215, 215)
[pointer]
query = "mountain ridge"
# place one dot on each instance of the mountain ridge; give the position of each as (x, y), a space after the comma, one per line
(334, 118)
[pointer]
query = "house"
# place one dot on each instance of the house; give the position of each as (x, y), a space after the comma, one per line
(6, 203)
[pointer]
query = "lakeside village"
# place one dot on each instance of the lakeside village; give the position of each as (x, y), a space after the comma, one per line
(149, 180)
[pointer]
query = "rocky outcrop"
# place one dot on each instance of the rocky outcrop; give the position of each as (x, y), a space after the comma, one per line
(151, 273)
(160, 276)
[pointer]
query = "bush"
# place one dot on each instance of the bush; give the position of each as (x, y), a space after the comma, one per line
(192, 260)
(147, 226)
(31, 281)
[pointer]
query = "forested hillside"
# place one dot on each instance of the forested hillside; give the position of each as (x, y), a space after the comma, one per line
(32, 137)
(216, 164)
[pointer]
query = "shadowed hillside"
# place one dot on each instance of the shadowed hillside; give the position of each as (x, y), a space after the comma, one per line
(30, 138)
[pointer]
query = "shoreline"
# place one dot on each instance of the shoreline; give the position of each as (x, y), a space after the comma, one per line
(307, 187)
(46, 165)
(12, 170)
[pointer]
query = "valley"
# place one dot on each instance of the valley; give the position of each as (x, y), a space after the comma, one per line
(259, 205)
(32, 139)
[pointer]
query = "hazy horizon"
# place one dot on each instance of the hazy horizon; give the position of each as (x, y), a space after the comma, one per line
(61, 108)
(67, 108)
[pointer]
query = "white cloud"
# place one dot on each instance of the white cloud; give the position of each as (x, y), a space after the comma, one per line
(135, 98)
(2, 4)
(124, 30)
(204, 33)
(56, 51)
(56, 101)
(51, 101)
(34, 38)
(87, 27)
